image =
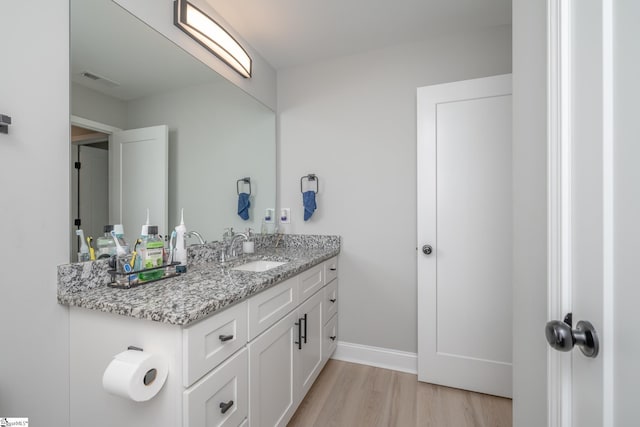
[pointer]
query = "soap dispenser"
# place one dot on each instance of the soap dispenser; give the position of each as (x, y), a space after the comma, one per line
(180, 254)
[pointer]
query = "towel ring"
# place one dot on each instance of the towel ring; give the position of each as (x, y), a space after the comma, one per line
(246, 180)
(310, 177)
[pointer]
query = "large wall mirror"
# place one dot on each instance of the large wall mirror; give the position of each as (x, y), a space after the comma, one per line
(126, 76)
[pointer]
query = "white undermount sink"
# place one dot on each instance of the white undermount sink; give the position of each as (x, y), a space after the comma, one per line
(259, 266)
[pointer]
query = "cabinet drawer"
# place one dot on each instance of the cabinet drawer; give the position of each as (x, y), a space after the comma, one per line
(221, 397)
(310, 281)
(330, 269)
(269, 306)
(330, 300)
(330, 337)
(210, 341)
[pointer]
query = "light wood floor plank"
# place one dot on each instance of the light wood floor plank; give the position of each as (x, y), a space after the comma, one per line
(352, 395)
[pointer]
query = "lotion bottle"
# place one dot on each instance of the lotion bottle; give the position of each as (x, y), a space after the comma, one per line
(180, 254)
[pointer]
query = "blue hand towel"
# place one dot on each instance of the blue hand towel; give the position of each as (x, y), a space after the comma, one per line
(309, 202)
(243, 205)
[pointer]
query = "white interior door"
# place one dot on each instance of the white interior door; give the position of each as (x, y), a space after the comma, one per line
(464, 214)
(581, 389)
(94, 189)
(139, 178)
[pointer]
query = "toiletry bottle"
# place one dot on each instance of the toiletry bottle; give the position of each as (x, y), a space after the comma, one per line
(83, 254)
(119, 229)
(180, 254)
(105, 246)
(152, 254)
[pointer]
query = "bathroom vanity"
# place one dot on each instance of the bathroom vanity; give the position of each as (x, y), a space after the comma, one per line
(244, 340)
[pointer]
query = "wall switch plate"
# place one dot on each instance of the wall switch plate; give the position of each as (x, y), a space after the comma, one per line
(270, 216)
(285, 216)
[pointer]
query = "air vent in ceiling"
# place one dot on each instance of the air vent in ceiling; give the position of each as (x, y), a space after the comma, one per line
(98, 78)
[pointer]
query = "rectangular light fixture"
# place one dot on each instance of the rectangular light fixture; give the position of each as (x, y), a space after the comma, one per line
(203, 29)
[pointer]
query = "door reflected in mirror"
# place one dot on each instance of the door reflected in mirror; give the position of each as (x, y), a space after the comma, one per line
(127, 76)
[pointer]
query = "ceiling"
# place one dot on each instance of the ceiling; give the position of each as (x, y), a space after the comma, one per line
(109, 42)
(294, 32)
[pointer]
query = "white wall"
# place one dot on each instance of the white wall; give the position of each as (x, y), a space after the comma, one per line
(159, 15)
(93, 105)
(530, 213)
(217, 135)
(352, 121)
(627, 210)
(34, 211)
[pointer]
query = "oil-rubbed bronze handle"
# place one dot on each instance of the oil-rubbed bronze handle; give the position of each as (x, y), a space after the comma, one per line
(333, 300)
(224, 338)
(224, 407)
(333, 338)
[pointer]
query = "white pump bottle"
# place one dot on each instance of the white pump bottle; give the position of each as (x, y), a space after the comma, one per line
(181, 241)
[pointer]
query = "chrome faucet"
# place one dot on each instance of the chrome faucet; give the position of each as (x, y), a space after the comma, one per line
(231, 251)
(197, 235)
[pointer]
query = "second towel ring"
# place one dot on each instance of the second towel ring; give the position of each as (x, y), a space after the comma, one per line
(310, 177)
(246, 180)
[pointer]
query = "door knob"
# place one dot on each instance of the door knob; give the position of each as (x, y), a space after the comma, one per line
(562, 337)
(427, 249)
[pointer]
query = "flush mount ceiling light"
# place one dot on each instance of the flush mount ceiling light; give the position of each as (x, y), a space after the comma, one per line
(211, 35)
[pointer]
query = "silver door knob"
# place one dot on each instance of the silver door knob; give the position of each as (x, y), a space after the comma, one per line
(561, 337)
(427, 249)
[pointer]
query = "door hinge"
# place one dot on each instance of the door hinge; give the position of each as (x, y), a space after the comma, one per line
(77, 165)
(77, 222)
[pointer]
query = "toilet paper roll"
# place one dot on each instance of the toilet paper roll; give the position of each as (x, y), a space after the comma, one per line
(135, 375)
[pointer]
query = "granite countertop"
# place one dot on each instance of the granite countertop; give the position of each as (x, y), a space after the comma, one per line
(206, 288)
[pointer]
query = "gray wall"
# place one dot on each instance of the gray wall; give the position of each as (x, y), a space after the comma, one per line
(529, 213)
(34, 211)
(217, 135)
(92, 105)
(352, 121)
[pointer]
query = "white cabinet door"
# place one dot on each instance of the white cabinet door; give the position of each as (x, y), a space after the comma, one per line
(272, 399)
(309, 358)
(220, 398)
(310, 281)
(269, 306)
(211, 340)
(329, 338)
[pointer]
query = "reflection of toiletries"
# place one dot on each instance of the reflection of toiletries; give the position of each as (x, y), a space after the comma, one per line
(145, 227)
(83, 255)
(119, 229)
(134, 254)
(153, 248)
(172, 246)
(104, 244)
(120, 252)
(180, 253)
(92, 253)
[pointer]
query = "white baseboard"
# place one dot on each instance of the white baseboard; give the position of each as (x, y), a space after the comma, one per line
(375, 356)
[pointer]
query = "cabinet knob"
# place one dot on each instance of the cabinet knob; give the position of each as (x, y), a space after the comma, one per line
(224, 407)
(333, 338)
(333, 300)
(224, 338)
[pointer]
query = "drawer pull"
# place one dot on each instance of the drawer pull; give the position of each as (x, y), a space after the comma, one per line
(299, 342)
(333, 338)
(224, 338)
(305, 328)
(333, 300)
(224, 407)
(333, 269)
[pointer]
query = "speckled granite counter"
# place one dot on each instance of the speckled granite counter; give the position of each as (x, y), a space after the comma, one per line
(206, 288)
